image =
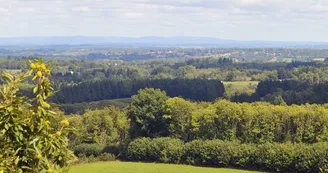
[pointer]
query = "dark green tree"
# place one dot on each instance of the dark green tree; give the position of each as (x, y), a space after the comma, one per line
(146, 112)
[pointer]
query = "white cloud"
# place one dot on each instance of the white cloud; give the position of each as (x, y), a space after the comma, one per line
(133, 15)
(80, 9)
(26, 10)
(230, 19)
(250, 1)
(3, 10)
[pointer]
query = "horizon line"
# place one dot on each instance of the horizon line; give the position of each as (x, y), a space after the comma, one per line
(140, 37)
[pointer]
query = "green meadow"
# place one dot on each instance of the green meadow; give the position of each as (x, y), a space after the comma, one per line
(129, 167)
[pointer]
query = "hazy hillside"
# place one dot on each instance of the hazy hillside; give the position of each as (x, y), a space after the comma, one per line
(151, 41)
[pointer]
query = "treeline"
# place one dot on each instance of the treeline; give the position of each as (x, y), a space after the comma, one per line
(194, 89)
(212, 62)
(81, 108)
(257, 135)
(287, 91)
(216, 153)
(70, 72)
(273, 91)
(154, 115)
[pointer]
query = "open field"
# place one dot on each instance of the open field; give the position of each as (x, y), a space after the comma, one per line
(81, 107)
(319, 59)
(240, 86)
(128, 167)
(288, 60)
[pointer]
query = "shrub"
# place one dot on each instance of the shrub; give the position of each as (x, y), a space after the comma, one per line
(114, 149)
(89, 159)
(171, 150)
(107, 157)
(215, 153)
(165, 150)
(138, 150)
(243, 155)
(88, 149)
(276, 157)
(209, 153)
(311, 158)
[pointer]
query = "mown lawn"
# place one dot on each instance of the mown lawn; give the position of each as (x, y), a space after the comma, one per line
(128, 167)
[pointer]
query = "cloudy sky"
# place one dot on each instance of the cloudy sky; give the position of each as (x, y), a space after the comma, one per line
(283, 20)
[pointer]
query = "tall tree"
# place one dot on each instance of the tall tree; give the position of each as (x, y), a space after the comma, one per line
(147, 113)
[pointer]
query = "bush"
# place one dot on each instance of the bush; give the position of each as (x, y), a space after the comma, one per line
(215, 153)
(107, 157)
(138, 150)
(165, 150)
(171, 150)
(88, 149)
(243, 155)
(114, 149)
(276, 157)
(311, 158)
(209, 153)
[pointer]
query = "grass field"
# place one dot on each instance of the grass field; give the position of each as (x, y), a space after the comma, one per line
(240, 86)
(128, 167)
(81, 107)
(288, 60)
(319, 59)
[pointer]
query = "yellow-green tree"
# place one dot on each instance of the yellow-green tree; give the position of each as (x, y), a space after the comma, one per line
(29, 141)
(179, 115)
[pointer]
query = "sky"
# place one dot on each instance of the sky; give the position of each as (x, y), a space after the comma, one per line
(271, 20)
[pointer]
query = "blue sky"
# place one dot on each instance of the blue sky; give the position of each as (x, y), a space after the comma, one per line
(283, 20)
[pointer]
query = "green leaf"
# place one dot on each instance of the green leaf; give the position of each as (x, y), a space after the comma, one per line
(34, 140)
(35, 89)
(17, 160)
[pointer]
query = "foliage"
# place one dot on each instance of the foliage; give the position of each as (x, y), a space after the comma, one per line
(104, 157)
(292, 92)
(153, 114)
(261, 122)
(99, 131)
(165, 150)
(215, 153)
(195, 89)
(146, 112)
(29, 140)
(179, 115)
(81, 108)
(88, 149)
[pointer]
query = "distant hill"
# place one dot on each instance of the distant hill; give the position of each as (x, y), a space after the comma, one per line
(152, 41)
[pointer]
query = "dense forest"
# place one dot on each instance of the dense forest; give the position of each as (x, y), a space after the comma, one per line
(194, 89)
(286, 91)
